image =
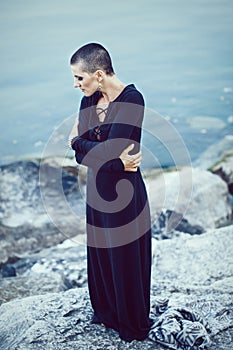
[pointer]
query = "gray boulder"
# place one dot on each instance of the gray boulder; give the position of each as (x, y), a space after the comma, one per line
(53, 269)
(33, 284)
(214, 153)
(224, 168)
(40, 205)
(57, 321)
(29, 187)
(191, 271)
(168, 224)
(201, 262)
(199, 196)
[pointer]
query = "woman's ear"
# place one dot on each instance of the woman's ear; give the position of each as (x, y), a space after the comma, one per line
(99, 75)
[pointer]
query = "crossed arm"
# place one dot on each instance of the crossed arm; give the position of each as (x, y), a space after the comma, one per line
(113, 154)
(124, 162)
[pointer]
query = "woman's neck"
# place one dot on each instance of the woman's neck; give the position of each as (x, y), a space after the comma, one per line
(112, 88)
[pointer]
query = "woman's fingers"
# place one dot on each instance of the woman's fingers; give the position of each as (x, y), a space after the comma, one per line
(137, 157)
(129, 148)
(132, 170)
(131, 162)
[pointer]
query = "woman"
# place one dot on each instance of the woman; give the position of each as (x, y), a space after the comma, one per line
(117, 211)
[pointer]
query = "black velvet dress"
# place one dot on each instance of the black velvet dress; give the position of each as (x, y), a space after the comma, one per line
(118, 215)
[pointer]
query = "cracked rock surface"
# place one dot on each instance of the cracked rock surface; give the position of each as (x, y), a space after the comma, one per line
(191, 271)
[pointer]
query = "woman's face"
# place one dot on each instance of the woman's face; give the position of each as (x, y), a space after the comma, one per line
(88, 83)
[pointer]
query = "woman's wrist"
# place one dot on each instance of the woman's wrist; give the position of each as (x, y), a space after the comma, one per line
(72, 142)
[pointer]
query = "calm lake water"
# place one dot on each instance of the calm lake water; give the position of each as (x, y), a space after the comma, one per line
(179, 54)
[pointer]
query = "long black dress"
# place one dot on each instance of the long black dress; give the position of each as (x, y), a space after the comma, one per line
(118, 216)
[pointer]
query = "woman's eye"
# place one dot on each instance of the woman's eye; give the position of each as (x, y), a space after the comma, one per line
(80, 78)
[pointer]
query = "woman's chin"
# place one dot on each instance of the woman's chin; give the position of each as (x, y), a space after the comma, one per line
(87, 93)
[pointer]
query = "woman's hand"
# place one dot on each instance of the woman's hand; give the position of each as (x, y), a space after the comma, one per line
(131, 162)
(73, 133)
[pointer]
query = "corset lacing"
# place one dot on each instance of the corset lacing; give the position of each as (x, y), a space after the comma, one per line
(97, 130)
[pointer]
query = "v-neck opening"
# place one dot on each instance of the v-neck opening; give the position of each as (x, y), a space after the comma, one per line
(110, 103)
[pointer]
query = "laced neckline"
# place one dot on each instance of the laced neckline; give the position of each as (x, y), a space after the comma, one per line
(102, 110)
(97, 130)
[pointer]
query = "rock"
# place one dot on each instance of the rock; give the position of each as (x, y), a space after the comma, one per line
(8, 271)
(22, 185)
(203, 261)
(68, 164)
(57, 321)
(16, 241)
(53, 269)
(40, 206)
(169, 224)
(32, 284)
(192, 271)
(200, 196)
(20, 195)
(214, 153)
(61, 162)
(224, 168)
(198, 271)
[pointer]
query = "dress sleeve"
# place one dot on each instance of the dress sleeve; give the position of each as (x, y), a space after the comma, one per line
(128, 116)
(91, 161)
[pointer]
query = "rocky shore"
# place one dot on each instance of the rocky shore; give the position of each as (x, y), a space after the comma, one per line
(43, 284)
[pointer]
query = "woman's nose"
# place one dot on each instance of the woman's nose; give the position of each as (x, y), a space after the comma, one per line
(76, 84)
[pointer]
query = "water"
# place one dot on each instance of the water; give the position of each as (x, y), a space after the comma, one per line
(178, 53)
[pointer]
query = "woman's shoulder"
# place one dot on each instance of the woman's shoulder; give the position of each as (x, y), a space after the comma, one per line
(131, 94)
